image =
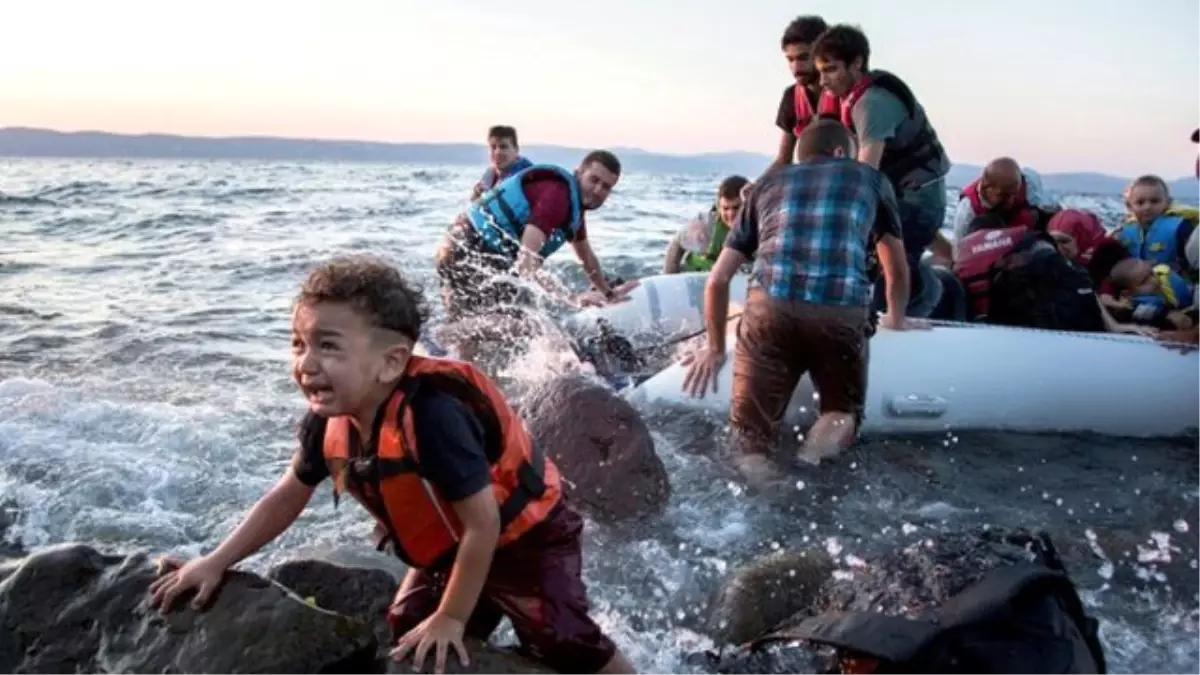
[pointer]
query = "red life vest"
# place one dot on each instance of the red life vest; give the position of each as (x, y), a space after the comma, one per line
(1019, 214)
(827, 107)
(977, 252)
(421, 525)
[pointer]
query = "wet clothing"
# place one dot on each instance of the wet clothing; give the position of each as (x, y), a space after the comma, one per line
(778, 342)
(811, 229)
(476, 282)
(537, 583)
(535, 578)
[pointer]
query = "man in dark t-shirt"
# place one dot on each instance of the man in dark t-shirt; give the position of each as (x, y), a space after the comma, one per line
(797, 40)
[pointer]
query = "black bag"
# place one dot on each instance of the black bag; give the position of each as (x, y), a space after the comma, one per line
(1035, 286)
(1025, 618)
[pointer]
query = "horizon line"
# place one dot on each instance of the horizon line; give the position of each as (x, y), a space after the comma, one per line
(613, 148)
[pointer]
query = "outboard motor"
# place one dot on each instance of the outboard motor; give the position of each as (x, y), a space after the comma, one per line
(612, 355)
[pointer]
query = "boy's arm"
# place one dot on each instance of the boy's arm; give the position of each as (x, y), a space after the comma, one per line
(455, 462)
(480, 518)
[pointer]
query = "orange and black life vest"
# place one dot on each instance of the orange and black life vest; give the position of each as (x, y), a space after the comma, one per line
(386, 477)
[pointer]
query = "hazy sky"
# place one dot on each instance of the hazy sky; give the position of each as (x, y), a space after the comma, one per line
(1061, 85)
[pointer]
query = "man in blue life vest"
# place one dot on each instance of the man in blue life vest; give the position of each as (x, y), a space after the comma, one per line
(504, 157)
(515, 226)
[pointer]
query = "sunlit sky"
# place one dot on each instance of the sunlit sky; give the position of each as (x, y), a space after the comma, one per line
(1062, 85)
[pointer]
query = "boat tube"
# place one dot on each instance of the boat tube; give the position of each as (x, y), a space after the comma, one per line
(664, 306)
(959, 376)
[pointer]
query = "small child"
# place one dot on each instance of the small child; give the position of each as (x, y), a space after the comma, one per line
(434, 452)
(505, 156)
(1153, 294)
(1154, 231)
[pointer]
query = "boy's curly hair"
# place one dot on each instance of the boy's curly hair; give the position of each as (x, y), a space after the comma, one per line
(374, 288)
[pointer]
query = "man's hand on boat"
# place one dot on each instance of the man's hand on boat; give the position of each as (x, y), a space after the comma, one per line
(617, 295)
(892, 322)
(704, 365)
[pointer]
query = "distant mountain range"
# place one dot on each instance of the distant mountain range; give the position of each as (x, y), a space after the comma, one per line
(29, 142)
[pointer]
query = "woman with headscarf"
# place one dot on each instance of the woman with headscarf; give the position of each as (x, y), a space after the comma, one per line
(1077, 232)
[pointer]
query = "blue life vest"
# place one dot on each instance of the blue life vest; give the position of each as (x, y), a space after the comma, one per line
(1158, 244)
(1175, 294)
(500, 215)
(489, 179)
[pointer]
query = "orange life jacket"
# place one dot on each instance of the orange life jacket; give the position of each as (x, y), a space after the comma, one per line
(420, 524)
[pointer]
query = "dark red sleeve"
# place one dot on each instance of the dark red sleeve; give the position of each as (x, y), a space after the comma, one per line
(549, 204)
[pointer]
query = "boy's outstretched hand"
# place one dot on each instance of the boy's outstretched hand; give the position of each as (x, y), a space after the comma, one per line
(438, 631)
(176, 577)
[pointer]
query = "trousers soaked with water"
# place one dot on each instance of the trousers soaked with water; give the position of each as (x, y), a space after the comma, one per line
(475, 281)
(778, 342)
(536, 582)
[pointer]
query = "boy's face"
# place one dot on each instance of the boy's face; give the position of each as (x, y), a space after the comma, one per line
(1147, 202)
(501, 152)
(340, 361)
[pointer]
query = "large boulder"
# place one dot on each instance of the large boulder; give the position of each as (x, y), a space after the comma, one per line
(601, 445)
(361, 583)
(70, 608)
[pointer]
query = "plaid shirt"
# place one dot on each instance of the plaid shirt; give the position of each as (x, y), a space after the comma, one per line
(812, 227)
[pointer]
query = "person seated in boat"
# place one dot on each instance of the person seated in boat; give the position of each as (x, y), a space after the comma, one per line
(504, 155)
(517, 225)
(1153, 295)
(698, 243)
(895, 136)
(1155, 230)
(1189, 335)
(1076, 232)
(1013, 193)
(481, 522)
(804, 100)
(1016, 276)
(817, 231)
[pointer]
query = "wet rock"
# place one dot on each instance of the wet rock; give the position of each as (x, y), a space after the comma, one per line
(602, 447)
(919, 576)
(361, 583)
(70, 608)
(10, 546)
(361, 593)
(758, 596)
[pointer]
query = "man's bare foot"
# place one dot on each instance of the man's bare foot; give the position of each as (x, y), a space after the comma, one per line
(757, 469)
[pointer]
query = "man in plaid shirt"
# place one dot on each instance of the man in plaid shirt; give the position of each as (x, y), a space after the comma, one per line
(813, 229)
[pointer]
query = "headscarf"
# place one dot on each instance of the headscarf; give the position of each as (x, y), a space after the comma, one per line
(1082, 226)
